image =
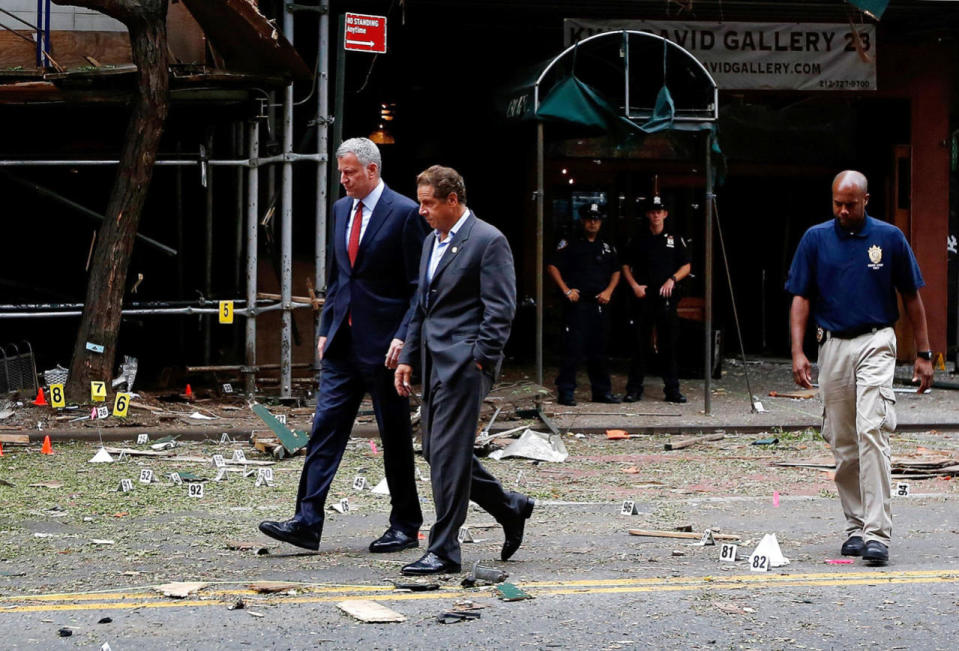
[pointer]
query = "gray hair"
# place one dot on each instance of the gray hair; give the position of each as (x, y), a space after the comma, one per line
(365, 151)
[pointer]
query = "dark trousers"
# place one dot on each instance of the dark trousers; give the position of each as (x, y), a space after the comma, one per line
(654, 312)
(343, 384)
(450, 414)
(585, 333)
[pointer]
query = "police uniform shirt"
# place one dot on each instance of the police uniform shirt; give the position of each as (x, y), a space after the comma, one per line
(584, 265)
(851, 278)
(654, 258)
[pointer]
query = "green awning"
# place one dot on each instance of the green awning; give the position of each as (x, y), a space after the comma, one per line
(872, 7)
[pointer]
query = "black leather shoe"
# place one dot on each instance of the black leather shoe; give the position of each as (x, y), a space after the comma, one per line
(607, 398)
(875, 553)
(293, 532)
(513, 529)
(393, 541)
(675, 397)
(853, 546)
(633, 396)
(430, 564)
(566, 399)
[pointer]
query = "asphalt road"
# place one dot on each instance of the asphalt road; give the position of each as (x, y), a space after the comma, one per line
(593, 586)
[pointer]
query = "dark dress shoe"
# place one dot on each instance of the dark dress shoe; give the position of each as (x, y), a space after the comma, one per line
(293, 532)
(607, 398)
(513, 529)
(430, 564)
(675, 397)
(393, 541)
(853, 546)
(566, 400)
(633, 396)
(875, 553)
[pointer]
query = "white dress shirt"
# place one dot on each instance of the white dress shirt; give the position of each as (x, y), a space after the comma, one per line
(369, 204)
(439, 248)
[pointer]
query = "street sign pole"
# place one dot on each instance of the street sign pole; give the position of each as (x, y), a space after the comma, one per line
(338, 110)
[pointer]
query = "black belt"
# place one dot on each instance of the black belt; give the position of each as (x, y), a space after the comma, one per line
(852, 333)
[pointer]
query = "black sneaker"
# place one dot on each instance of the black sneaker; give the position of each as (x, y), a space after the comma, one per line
(675, 397)
(853, 546)
(607, 398)
(566, 399)
(875, 553)
(633, 396)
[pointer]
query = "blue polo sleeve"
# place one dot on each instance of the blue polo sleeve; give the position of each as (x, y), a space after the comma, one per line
(906, 275)
(802, 272)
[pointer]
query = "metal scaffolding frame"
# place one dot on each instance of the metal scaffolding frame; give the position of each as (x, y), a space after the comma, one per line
(252, 162)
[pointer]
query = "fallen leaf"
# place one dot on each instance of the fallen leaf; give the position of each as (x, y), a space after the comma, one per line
(47, 484)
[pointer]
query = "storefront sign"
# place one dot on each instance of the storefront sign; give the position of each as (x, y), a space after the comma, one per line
(763, 56)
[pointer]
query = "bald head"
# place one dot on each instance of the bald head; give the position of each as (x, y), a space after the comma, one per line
(853, 179)
(850, 194)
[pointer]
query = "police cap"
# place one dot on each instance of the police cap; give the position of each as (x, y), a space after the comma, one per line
(592, 210)
(654, 202)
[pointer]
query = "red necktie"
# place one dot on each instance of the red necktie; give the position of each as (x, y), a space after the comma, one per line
(354, 245)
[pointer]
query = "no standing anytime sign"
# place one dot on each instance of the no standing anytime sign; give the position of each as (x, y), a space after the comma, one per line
(365, 33)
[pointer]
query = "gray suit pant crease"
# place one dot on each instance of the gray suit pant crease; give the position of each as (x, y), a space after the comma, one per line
(451, 415)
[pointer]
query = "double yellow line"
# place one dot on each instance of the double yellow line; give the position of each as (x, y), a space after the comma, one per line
(314, 593)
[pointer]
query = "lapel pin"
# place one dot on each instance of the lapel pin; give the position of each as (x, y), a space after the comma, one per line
(454, 249)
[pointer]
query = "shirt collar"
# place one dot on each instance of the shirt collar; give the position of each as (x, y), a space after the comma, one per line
(863, 232)
(372, 198)
(459, 223)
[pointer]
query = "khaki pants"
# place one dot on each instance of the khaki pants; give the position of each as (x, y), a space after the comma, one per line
(855, 377)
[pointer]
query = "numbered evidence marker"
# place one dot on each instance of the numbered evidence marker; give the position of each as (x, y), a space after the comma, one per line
(226, 311)
(239, 456)
(902, 489)
(728, 552)
(121, 404)
(281, 418)
(57, 398)
(758, 563)
(264, 476)
(227, 388)
(98, 391)
(103, 412)
(359, 483)
(175, 478)
(218, 461)
(221, 475)
(343, 506)
(629, 508)
(146, 476)
(126, 485)
(195, 489)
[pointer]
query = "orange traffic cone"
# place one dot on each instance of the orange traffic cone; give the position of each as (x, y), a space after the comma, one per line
(189, 391)
(47, 446)
(41, 400)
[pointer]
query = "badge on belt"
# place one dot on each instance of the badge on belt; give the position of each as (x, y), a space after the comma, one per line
(820, 335)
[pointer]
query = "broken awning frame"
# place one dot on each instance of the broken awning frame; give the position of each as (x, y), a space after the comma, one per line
(663, 115)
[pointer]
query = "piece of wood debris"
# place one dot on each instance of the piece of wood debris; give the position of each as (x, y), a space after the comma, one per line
(15, 439)
(685, 443)
(653, 533)
(370, 611)
(47, 484)
(804, 394)
(180, 589)
(272, 587)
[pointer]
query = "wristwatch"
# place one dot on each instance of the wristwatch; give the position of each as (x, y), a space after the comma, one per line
(925, 354)
(675, 280)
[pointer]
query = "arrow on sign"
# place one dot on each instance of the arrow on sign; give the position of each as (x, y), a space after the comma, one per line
(366, 43)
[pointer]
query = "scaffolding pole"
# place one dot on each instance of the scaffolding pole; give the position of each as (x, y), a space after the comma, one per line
(252, 219)
(286, 225)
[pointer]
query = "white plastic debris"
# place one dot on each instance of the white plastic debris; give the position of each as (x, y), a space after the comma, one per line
(102, 456)
(534, 445)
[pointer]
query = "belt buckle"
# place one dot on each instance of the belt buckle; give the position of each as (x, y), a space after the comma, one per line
(820, 335)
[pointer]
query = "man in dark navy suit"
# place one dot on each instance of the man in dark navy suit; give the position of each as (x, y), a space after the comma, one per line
(377, 239)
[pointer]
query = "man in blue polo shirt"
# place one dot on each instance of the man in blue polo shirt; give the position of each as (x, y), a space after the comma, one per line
(846, 272)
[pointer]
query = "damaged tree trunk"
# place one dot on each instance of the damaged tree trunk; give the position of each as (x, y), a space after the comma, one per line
(100, 323)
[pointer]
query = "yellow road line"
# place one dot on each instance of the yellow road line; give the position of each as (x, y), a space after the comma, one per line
(324, 594)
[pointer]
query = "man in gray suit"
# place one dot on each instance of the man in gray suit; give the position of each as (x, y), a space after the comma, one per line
(462, 314)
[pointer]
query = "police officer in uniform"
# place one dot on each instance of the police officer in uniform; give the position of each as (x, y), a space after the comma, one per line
(655, 263)
(586, 271)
